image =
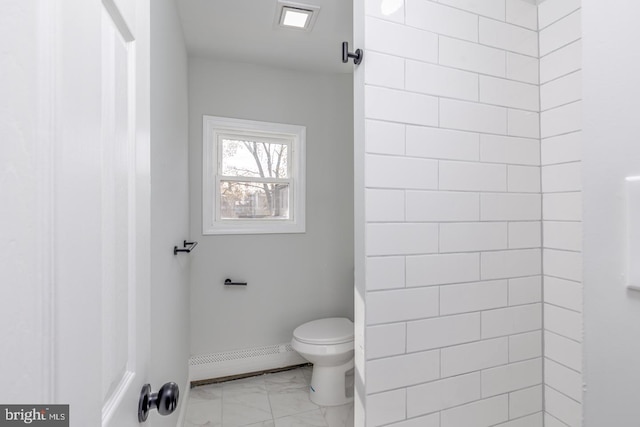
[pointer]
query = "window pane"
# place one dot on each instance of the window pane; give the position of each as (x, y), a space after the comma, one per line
(254, 200)
(254, 159)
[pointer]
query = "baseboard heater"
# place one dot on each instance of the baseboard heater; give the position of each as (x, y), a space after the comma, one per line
(245, 361)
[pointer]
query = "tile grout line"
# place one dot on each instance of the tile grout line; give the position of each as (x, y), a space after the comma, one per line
(542, 297)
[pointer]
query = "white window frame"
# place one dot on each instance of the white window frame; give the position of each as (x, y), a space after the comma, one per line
(292, 135)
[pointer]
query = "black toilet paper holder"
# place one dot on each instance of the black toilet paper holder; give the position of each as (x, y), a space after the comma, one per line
(188, 247)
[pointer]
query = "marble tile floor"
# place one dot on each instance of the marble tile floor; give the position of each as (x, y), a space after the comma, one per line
(273, 400)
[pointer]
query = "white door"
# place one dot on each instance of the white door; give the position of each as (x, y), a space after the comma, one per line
(74, 209)
(102, 202)
(125, 214)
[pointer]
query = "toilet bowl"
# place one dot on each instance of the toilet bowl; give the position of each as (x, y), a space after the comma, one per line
(328, 344)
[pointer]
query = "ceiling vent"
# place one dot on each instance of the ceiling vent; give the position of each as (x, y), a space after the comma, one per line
(296, 16)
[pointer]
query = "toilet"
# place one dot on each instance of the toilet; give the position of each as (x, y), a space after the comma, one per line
(328, 344)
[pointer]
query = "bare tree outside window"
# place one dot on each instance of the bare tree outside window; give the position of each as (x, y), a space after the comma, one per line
(254, 182)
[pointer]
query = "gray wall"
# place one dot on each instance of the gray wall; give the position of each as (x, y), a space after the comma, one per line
(169, 202)
(293, 278)
(611, 66)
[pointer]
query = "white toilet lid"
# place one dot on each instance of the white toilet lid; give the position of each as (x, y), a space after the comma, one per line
(334, 330)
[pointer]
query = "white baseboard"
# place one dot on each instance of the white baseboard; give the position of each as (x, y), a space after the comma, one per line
(237, 362)
(184, 400)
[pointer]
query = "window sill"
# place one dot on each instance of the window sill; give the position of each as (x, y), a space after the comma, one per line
(221, 229)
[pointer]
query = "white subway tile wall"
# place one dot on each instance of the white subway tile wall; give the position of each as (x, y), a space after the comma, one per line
(522, 13)
(473, 211)
(443, 394)
(561, 407)
(525, 346)
(471, 56)
(560, 96)
(523, 123)
(512, 377)
(522, 67)
(440, 143)
(491, 8)
(386, 340)
(528, 421)
(486, 412)
(409, 369)
(526, 401)
(561, 62)
(441, 19)
(442, 332)
(508, 37)
(506, 149)
(453, 210)
(524, 234)
(525, 290)
(552, 11)
(560, 33)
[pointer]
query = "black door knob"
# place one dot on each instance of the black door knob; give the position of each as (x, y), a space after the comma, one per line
(165, 400)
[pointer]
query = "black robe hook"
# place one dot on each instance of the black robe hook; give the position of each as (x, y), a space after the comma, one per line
(357, 57)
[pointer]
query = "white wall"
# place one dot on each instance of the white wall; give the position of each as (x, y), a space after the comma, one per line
(292, 278)
(169, 203)
(453, 214)
(560, 95)
(611, 66)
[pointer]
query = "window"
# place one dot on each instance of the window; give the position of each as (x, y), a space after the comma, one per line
(253, 177)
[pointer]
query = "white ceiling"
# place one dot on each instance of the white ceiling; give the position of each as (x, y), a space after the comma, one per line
(243, 30)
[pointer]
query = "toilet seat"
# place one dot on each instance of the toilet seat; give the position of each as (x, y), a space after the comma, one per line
(337, 351)
(334, 330)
